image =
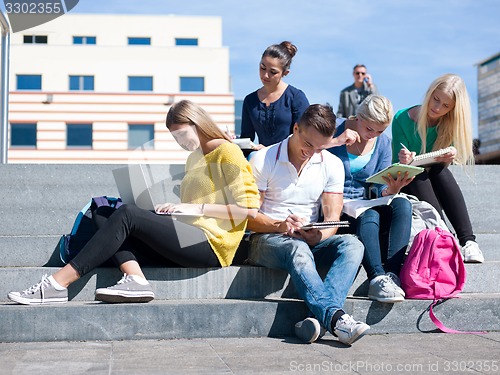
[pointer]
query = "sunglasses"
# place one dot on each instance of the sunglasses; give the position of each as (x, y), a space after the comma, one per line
(358, 73)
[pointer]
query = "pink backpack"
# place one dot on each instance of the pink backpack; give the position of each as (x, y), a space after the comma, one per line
(434, 269)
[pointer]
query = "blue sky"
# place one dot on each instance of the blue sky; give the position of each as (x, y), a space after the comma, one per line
(404, 44)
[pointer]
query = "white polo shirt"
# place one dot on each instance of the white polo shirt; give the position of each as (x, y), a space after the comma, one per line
(285, 190)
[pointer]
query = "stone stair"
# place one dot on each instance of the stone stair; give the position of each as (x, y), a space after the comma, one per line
(39, 203)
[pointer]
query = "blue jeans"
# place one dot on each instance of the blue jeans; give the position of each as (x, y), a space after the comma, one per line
(389, 225)
(340, 254)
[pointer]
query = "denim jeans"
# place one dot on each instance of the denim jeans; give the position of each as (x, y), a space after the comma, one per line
(388, 226)
(340, 254)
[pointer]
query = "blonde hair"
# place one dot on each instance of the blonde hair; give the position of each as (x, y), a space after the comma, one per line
(186, 112)
(454, 128)
(376, 109)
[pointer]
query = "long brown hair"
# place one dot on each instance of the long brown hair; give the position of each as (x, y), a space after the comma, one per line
(186, 112)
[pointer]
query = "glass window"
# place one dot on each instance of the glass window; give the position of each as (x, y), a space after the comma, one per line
(140, 83)
(141, 136)
(238, 108)
(79, 135)
(81, 83)
(193, 84)
(23, 135)
(186, 41)
(84, 40)
(35, 39)
(29, 82)
(139, 41)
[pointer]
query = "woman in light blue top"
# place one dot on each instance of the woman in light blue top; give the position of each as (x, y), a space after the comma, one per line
(385, 229)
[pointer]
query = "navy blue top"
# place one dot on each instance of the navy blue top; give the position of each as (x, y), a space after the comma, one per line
(355, 183)
(275, 122)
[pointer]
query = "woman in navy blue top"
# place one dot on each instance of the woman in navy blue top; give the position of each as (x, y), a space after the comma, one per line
(271, 111)
(385, 229)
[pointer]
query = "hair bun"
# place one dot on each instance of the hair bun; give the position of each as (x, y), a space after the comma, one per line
(290, 47)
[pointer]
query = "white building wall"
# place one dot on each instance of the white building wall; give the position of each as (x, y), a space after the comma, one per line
(110, 107)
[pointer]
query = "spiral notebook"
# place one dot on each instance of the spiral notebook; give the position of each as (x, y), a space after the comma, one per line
(326, 224)
(429, 157)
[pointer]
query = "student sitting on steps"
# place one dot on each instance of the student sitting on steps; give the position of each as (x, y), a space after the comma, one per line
(218, 190)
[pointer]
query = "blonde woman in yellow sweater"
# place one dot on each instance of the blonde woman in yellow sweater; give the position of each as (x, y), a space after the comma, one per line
(218, 189)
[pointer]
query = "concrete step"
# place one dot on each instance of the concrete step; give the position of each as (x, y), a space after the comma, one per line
(241, 282)
(228, 318)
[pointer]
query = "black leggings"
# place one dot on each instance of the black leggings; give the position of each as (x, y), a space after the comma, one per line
(438, 187)
(131, 231)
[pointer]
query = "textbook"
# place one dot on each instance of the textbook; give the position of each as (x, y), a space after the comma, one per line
(326, 224)
(244, 143)
(355, 207)
(429, 157)
(393, 171)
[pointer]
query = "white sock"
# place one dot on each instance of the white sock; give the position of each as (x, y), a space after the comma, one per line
(139, 279)
(55, 284)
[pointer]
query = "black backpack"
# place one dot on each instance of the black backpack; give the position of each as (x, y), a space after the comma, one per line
(83, 227)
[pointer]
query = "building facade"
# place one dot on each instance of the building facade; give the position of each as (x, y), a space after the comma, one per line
(488, 81)
(96, 88)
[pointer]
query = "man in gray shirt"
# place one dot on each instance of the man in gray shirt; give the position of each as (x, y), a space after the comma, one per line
(351, 96)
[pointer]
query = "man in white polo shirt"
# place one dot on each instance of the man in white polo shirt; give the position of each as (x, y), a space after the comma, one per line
(297, 179)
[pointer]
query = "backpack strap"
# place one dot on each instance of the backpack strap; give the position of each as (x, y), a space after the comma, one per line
(107, 201)
(440, 325)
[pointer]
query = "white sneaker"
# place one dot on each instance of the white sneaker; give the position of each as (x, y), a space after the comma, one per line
(395, 279)
(129, 289)
(383, 289)
(309, 330)
(41, 293)
(472, 253)
(349, 330)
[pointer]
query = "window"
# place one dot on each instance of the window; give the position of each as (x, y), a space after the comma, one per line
(192, 84)
(23, 135)
(186, 41)
(141, 136)
(238, 108)
(140, 83)
(139, 41)
(29, 82)
(81, 83)
(35, 39)
(84, 40)
(79, 135)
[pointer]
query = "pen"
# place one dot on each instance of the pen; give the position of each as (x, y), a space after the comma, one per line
(406, 148)
(291, 212)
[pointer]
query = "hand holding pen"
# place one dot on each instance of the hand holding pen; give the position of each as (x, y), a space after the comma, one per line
(405, 156)
(293, 222)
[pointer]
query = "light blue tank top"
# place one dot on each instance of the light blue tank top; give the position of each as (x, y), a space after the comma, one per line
(357, 162)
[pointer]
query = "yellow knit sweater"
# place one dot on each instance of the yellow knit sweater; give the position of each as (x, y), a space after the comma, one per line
(222, 176)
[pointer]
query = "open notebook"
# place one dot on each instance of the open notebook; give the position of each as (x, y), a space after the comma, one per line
(244, 143)
(393, 170)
